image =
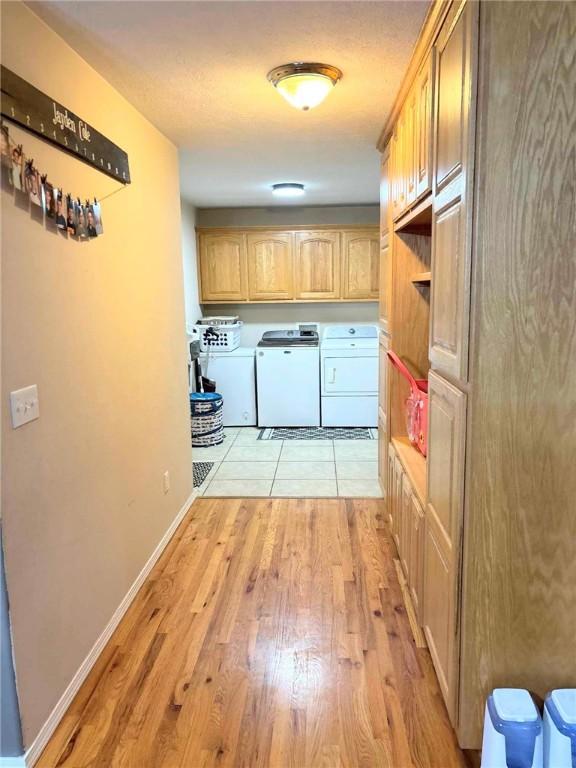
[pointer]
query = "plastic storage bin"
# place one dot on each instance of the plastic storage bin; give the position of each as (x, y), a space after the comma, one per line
(206, 419)
(220, 338)
(560, 729)
(512, 731)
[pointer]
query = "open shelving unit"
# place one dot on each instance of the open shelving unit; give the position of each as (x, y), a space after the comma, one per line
(409, 320)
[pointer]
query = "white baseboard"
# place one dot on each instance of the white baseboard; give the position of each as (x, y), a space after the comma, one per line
(13, 762)
(37, 746)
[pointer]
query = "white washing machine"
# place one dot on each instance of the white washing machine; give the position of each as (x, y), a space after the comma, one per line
(288, 379)
(349, 376)
(235, 376)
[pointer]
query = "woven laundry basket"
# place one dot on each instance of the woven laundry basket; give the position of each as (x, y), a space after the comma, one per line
(206, 419)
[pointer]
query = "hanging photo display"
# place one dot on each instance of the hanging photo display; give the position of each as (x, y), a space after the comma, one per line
(25, 105)
(77, 219)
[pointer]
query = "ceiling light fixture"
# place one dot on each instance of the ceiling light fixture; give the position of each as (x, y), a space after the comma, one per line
(288, 189)
(304, 85)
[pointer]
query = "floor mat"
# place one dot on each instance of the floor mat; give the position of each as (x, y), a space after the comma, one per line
(319, 433)
(200, 470)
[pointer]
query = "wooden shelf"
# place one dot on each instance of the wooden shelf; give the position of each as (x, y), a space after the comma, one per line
(414, 465)
(418, 221)
(423, 278)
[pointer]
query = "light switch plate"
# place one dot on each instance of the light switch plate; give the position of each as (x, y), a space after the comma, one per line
(24, 405)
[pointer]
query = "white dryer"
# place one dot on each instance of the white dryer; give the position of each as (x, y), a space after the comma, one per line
(349, 376)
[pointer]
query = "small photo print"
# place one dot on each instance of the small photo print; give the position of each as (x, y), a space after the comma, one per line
(70, 217)
(17, 165)
(5, 146)
(97, 214)
(91, 221)
(81, 231)
(32, 180)
(60, 217)
(6, 164)
(49, 201)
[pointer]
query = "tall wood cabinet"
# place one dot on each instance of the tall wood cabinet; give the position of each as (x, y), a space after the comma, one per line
(279, 265)
(477, 260)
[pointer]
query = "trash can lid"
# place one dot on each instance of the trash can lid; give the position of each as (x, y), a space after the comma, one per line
(205, 396)
(564, 699)
(514, 705)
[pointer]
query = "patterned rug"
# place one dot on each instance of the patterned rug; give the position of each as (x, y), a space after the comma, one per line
(319, 433)
(200, 471)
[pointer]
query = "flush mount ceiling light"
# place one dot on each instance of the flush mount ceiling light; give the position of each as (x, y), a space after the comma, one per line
(304, 85)
(288, 189)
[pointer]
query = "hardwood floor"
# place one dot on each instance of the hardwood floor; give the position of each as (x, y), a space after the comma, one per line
(271, 633)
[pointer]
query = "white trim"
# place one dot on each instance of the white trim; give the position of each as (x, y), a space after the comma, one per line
(13, 762)
(37, 746)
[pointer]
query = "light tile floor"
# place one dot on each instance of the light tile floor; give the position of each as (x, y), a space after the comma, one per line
(246, 466)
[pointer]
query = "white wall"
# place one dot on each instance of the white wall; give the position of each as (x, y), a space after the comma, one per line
(189, 258)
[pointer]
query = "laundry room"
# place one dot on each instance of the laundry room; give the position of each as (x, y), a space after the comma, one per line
(282, 321)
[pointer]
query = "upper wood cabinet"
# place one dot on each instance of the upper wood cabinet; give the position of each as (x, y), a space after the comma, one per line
(270, 266)
(360, 265)
(452, 213)
(412, 143)
(451, 103)
(443, 530)
(317, 265)
(222, 260)
(424, 88)
(385, 209)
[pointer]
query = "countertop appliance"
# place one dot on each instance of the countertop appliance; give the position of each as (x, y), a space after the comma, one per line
(235, 376)
(349, 376)
(288, 378)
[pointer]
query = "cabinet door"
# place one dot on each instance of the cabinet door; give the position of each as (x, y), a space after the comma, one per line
(424, 88)
(452, 214)
(405, 519)
(385, 221)
(317, 265)
(360, 265)
(397, 502)
(270, 266)
(391, 485)
(385, 192)
(383, 373)
(385, 284)
(393, 172)
(416, 558)
(222, 262)
(410, 147)
(382, 452)
(443, 531)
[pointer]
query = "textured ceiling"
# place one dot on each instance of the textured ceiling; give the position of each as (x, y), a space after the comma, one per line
(198, 70)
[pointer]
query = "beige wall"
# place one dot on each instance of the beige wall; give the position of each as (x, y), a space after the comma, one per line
(286, 215)
(99, 327)
(189, 260)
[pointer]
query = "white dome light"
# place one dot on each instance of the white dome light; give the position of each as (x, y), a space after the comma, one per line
(304, 86)
(288, 189)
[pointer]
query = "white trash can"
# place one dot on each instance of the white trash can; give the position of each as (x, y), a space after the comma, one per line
(560, 729)
(512, 730)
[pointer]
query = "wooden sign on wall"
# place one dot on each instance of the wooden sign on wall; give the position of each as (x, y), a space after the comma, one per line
(25, 105)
